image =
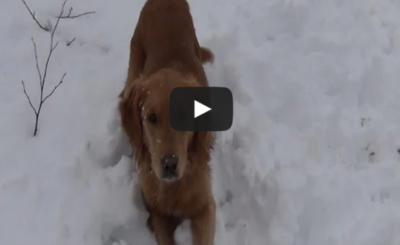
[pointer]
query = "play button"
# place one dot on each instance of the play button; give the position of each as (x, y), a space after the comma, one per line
(200, 109)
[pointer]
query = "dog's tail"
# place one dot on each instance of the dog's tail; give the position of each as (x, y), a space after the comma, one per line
(206, 55)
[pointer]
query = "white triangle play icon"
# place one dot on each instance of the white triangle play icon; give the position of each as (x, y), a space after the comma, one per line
(200, 109)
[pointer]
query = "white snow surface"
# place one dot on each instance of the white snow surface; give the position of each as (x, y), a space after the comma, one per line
(312, 157)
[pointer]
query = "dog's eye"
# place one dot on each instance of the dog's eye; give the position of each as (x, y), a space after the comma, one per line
(152, 118)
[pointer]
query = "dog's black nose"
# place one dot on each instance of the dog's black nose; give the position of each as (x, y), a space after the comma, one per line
(169, 163)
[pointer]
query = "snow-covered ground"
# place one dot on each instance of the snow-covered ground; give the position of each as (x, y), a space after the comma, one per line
(312, 157)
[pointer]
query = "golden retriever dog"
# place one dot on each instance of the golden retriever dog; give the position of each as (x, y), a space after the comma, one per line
(173, 166)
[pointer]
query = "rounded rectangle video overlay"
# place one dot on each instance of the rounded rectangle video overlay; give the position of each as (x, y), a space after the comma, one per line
(201, 109)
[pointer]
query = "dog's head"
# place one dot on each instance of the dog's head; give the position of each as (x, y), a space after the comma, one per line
(144, 109)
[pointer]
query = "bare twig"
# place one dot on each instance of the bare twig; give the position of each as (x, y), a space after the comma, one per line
(69, 16)
(43, 77)
(70, 10)
(34, 17)
(70, 42)
(52, 48)
(37, 62)
(54, 89)
(28, 98)
(78, 15)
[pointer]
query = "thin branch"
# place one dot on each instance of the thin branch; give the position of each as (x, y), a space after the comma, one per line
(70, 42)
(70, 11)
(29, 99)
(34, 17)
(37, 61)
(42, 77)
(59, 16)
(69, 16)
(54, 89)
(78, 15)
(52, 48)
(47, 63)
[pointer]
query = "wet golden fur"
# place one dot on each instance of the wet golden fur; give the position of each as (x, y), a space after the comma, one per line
(165, 54)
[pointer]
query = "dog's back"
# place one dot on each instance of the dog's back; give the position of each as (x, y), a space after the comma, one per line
(166, 34)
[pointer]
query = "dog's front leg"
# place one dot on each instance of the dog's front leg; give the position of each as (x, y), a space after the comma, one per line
(164, 229)
(203, 226)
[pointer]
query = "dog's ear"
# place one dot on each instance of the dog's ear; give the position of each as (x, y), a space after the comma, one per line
(201, 145)
(206, 55)
(129, 108)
